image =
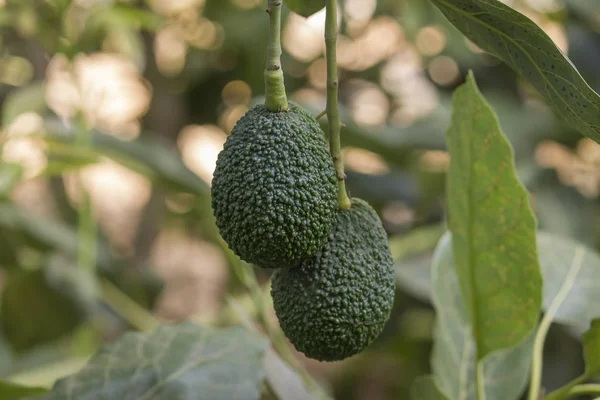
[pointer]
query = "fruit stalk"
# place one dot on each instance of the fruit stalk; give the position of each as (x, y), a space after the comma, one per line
(276, 99)
(333, 114)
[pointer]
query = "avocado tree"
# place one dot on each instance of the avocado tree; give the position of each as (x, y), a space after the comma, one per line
(281, 199)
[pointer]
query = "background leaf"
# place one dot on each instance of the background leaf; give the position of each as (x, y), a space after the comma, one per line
(146, 156)
(426, 388)
(25, 99)
(493, 228)
(556, 254)
(32, 312)
(183, 362)
(453, 360)
(306, 8)
(284, 381)
(526, 48)
(10, 176)
(591, 349)
(10, 391)
(582, 302)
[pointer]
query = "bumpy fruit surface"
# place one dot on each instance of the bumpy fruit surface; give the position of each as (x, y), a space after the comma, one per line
(336, 303)
(274, 191)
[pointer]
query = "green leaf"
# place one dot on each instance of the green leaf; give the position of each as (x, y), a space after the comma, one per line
(526, 48)
(34, 311)
(151, 158)
(575, 282)
(10, 391)
(426, 388)
(22, 100)
(283, 380)
(67, 157)
(578, 281)
(123, 15)
(172, 362)
(10, 176)
(493, 227)
(413, 276)
(306, 8)
(47, 234)
(505, 372)
(591, 349)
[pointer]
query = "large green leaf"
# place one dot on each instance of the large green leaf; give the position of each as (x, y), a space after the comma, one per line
(426, 388)
(493, 227)
(185, 362)
(578, 282)
(591, 349)
(526, 48)
(285, 382)
(306, 8)
(453, 360)
(10, 391)
(574, 283)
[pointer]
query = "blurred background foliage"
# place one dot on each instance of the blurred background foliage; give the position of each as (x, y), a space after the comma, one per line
(112, 116)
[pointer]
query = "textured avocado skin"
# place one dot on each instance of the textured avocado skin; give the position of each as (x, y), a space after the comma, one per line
(274, 190)
(336, 303)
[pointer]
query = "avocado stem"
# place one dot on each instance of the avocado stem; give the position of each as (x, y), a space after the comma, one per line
(276, 99)
(333, 113)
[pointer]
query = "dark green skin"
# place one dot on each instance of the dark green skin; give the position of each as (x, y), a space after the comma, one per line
(274, 191)
(333, 305)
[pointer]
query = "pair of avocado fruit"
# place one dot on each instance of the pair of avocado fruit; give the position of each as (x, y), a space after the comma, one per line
(275, 199)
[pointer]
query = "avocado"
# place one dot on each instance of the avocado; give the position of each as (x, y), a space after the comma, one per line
(333, 305)
(274, 190)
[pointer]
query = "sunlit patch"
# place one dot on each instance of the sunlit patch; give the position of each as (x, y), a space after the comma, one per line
(364, 161)
(106, 88)
(403, 77)
(231, 116)
(369, 49)
(434, 161)
(579, 168)
(118, 196)
(200, 145)
(369, 105)
(195, 273)
(34, 196)
(398, 214)
(236, 93)
(431, 40)
(26, 123)
(314, 98)
(303, 38)
(170, 7)
(28, 151)
(358, 13)
(317, 74)
(206, 35)
(444, 70)
(170, 50)
(360, 9)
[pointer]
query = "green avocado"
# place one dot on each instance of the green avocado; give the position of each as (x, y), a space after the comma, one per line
(336, 303)
(274, 190)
